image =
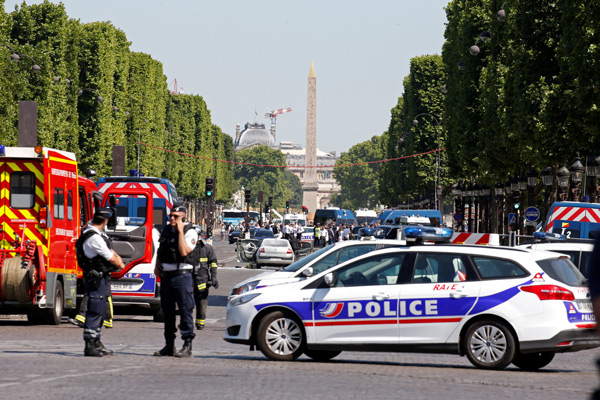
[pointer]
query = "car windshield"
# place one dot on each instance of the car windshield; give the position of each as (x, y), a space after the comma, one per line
(563, 270)
(302, 262)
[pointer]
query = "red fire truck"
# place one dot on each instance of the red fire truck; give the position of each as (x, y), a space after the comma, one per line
(43, 204)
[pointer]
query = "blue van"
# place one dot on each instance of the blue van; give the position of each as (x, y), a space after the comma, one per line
(574, 219)
(325, 216)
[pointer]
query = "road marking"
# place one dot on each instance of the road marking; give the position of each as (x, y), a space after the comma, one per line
(56, 378)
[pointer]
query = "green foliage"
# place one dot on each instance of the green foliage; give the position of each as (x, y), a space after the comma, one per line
(271, 181)
(80, 62)
(359, 182)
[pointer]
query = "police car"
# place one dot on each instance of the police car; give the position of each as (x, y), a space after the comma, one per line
(314, 263)
(496, 305)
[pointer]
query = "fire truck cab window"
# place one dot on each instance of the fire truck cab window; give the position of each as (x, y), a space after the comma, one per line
(59, 203)
(70, 205)
(82, 207)
(22, 190)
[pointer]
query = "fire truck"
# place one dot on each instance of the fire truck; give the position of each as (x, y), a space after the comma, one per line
(43, 205)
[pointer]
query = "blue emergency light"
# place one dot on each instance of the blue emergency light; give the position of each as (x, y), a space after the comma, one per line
(548, 236)
(428, 233)
(133, 172)
(2, 150)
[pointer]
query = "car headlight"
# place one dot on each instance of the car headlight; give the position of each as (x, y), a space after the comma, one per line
(244, 288)
(237, 301)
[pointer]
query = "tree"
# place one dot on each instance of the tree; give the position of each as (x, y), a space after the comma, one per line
(359, 182)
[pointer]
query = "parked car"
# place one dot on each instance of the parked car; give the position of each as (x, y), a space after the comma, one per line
(274, 252)
(495, 305)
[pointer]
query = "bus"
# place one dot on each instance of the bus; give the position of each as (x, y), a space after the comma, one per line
(235, 217)
(325, 216)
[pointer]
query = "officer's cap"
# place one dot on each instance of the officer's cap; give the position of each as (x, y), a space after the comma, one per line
(179, 209)
(103, 212)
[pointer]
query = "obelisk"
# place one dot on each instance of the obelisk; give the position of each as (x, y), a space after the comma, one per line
(310, 187)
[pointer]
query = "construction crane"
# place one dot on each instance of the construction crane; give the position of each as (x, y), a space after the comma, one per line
(273, 114)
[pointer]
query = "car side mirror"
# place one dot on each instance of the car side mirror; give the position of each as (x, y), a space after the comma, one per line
(308, 272)
(329, 279)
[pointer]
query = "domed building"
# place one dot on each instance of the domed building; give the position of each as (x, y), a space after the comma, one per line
(254, 134)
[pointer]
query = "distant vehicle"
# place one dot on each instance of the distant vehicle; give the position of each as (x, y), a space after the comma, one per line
(261, 234)
(274, 252)
(236, 217)
(365, 216)
(294, 219)
(309, 234)
(325, 216)
(574, 219)
(399, 217)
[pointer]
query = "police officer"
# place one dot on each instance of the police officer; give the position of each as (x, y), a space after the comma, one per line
(205, 274)
(97, 260)
(175, 264)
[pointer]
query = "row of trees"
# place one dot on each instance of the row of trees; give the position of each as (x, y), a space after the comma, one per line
(83, 63)
(513, 90)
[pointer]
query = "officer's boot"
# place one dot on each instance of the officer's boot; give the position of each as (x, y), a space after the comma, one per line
(186, 350)
(102, 349)
(91, 349)
(168, 350)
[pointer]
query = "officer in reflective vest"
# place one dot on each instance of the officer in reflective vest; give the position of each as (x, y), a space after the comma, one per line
(205, 274)
(97, 259)
(175, 264)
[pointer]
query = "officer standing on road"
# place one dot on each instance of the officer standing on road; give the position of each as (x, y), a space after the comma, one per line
(175, 264)
(205, 275)
(97, 260)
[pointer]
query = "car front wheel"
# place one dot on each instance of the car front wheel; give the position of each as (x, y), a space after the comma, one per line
(489, 344)
(280, 337)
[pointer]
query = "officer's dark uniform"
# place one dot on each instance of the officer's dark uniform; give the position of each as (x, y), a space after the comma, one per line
(96, 272)
(205, 274)
(79, 319)
(177, 287)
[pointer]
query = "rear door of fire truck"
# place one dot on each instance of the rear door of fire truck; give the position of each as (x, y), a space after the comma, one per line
(135, 239)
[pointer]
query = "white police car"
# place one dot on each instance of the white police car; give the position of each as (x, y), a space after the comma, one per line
(495, 305)
(314, 263)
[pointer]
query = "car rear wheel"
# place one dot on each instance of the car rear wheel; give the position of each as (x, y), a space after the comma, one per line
(321, 355)
(489, 344)
(280, 337)
(533, 361)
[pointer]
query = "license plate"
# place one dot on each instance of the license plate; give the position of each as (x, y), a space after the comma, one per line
(274, 258)
(584, 305)
(121, 286)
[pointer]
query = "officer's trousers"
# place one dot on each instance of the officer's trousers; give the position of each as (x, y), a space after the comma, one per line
(177, 288)
(108, 313)
(96, 306)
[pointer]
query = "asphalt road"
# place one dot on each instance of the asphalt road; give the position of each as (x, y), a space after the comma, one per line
(47, 362)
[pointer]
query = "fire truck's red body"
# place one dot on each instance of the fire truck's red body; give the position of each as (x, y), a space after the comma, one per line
(43, 204)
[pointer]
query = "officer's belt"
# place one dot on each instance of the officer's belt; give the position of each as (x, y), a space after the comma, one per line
(177, 272)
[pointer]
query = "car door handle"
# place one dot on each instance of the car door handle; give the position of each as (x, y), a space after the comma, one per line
(457, 294)
(381, 296)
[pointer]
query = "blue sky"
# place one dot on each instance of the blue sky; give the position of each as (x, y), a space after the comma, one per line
(244, 56)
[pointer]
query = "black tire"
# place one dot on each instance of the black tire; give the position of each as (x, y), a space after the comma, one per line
(157, 314)
(489, 344)
(280, 337)
(533, 361)
(321, 355)
(54, 314)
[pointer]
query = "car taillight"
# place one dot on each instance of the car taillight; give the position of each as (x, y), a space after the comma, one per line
(289, 251)
(549, 292)
(43, 217)
(262, 250)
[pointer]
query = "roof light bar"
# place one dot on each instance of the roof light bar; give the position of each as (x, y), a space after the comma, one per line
(429, 233)
(548, 236)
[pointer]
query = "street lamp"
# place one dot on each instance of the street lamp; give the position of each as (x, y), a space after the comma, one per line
(592, 171)
(14, 56)
(35, 67)
(577, 170)
(438, 180)
(563, 181)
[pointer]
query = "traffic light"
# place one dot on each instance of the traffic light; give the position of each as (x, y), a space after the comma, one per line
(304, 210)
(210, 187)
(270, 201)
(516, 198)
(287, 205)
(247, 195)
